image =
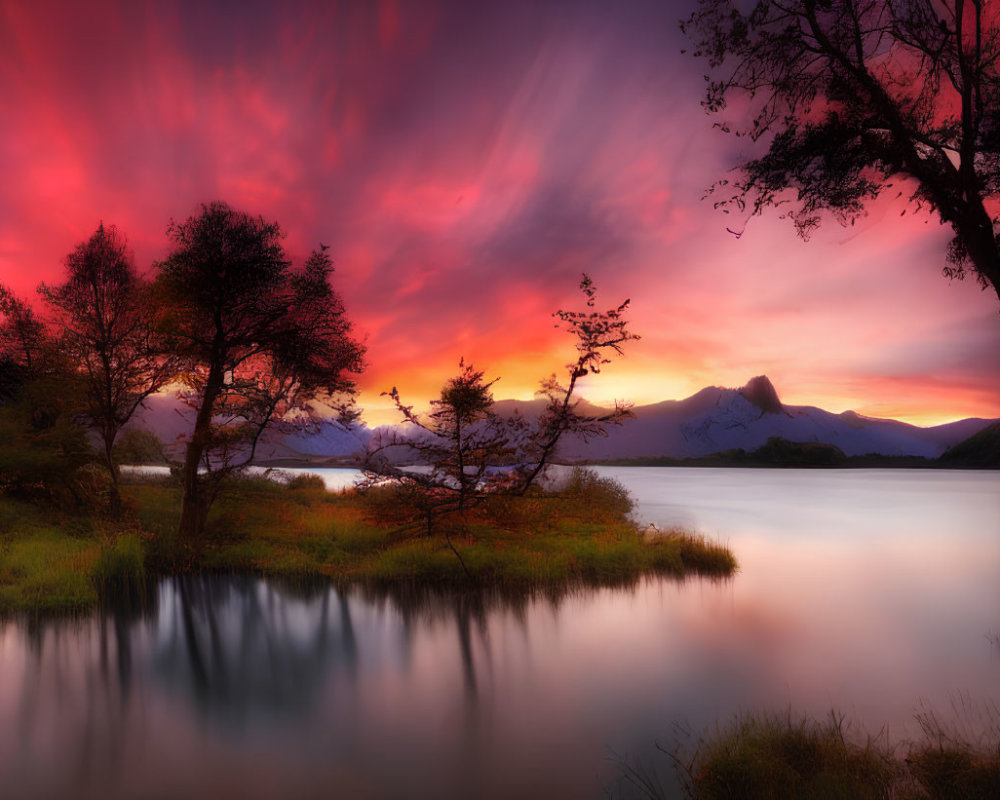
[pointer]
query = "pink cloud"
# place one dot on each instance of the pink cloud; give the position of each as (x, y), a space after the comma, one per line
(466, 162)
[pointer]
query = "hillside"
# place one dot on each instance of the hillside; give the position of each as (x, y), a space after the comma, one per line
(980, 450)
(714, 420)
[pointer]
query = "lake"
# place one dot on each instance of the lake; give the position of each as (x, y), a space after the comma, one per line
(869, 591)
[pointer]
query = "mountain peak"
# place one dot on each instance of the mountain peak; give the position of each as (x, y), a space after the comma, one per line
(761, 392)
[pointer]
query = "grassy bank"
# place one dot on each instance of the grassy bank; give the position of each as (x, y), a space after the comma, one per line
(763, 756)
(55, 563)
(580, 534)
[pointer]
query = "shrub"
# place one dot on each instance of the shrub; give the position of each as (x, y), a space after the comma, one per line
(960, 760)
(139, 446)
(594, 493)
(774, 756)
(705, 557)
(40, 462)
(308, 480)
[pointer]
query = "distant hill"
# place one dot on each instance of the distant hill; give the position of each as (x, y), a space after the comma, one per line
(717, 419)
(982, 449)
(172, 421)
(712, 421)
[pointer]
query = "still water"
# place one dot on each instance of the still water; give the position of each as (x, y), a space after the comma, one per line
(869, 591)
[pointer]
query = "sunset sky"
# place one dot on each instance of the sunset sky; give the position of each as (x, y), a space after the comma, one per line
(466, 162)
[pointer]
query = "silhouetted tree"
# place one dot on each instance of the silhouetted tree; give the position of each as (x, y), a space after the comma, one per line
(598, 334)
(463, 440)
(42, 450)
(849, 95)
(106, 325)
(22, 342)
(139, 446)
(459, 440)
(260, 342)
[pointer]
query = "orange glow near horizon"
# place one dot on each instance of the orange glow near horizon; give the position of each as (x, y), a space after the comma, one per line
(638, 388)
(466, 163)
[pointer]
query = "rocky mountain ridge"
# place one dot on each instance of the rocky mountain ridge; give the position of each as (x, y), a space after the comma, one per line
(711, 421)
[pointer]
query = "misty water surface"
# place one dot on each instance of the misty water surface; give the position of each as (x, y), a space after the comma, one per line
(871, 591)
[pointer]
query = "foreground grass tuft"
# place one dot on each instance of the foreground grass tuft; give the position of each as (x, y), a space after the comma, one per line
(763, 756)
(770, 756)
(959, 760)
(54, 563)
(46, 571)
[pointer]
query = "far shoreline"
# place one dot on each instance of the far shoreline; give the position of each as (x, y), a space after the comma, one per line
(852, 462)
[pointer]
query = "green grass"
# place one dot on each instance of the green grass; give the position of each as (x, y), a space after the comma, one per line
(48, 571)
(119, 572)
(59, 563)
(336, 536)
(763, 756)
(581, 534)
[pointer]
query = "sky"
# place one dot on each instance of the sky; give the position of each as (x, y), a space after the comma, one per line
(466, 163)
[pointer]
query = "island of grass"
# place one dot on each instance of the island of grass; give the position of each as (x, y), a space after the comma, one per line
(580, 534)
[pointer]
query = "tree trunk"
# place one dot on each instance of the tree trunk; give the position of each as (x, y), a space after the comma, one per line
(975, 231)
(194, 505)
(461, 465)
(115, 500)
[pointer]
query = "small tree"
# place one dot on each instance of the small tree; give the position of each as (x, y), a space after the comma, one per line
(106, 322)
(460, 439)
(22, 344)
(259, 340)
(465, 443)
(849, 96)
(598, 334)
(139, 446)
(41, 448)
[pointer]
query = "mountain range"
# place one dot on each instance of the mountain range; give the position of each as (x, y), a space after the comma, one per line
(712, 421)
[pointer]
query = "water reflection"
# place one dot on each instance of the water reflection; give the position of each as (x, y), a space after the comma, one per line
(226, 686)
(240, 647)
(395, 691)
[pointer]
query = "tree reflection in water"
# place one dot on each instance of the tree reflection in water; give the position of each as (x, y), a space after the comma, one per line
(245, 656)
(242, 648)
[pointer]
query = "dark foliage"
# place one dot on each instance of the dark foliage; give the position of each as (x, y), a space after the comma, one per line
(469, 454)
(598, 334)
(259, 341)
(44, 455)
(783, 453)
(139, 446)
(981, 450)
(850, 96)
(22, 342)
(107, 327)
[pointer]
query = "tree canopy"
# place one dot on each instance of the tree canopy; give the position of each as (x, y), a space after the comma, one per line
(106, 324)
(461, 439)
(474, 453)
(854, 97)
(22, 339)
(598, 334)
(259, 340)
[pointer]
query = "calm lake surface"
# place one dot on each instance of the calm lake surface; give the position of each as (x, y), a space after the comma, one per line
(871, 591)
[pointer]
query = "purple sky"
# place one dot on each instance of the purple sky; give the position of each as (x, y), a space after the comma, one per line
(466, 162)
